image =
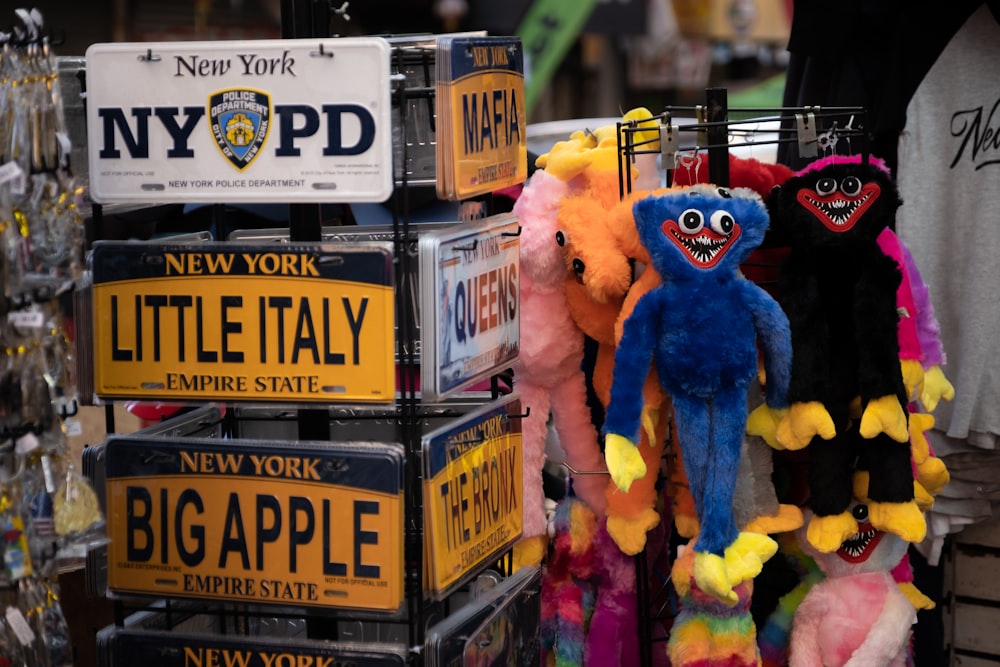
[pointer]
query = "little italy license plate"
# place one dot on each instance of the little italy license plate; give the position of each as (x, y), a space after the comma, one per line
(218, 321)
(316, 525)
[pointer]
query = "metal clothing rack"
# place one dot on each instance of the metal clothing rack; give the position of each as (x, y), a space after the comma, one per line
(816, 130)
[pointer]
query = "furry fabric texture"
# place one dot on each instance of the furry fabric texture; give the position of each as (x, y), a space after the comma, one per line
(596, 231)
(856, 616)
(568, 589)
(613, 634)
(700, 327)
(706, 632)
(839, 291)
(548, 373)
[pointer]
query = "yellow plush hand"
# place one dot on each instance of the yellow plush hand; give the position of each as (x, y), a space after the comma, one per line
(913, 377)
(625, 464)
(568, 159)
(916, 598)
(802, 423)
(647, 129)
(936, 387)
(885, 414)
(763, 422)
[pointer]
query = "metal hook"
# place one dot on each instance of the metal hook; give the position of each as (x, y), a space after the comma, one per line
(148, 57)
(342, 10)
(574, 471)
(475, 243)
(517, 233)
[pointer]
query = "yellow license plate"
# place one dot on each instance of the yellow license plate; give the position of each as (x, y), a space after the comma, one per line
(489, 119)
(299, 323)
(473, 493)
(303, 525)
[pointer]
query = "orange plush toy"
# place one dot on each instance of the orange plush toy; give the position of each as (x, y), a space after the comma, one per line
(602, 275)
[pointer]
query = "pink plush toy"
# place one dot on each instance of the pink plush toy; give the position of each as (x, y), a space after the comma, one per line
(856, 616)
(613, 636)
(548, 373)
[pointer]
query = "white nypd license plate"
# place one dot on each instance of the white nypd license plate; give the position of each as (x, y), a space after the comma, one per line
(240, 121)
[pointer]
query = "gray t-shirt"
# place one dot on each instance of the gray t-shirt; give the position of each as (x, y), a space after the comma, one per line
(949, 180)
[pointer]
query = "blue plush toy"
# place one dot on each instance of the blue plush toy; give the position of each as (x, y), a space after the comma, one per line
(701, 327)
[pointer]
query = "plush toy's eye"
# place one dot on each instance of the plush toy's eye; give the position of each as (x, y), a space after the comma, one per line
(724, 193)
(851, 186)
(826, 186)
(560, 238)
(722, 223)
(860, 512)
(691, 221)
(578, 266)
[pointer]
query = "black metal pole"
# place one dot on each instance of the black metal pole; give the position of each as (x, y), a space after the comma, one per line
(718, 136)
(299, 19)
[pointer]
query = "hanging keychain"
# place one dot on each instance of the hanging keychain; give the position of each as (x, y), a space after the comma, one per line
(16, 556)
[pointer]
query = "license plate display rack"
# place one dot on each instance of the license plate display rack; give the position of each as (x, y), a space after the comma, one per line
(373, 627)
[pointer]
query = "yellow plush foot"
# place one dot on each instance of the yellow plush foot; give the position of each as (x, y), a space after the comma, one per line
(885, 415)
(711, 577)
(916, 598)
(746, 556)
(827, 533)
(687, 525)
(902, 519)
(802, 423)
(936, 387)
(787, 519)
(629, 533)
(529, 551)
(763, 422)
(625, 464)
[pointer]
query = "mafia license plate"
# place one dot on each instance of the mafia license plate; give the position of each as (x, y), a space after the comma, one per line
(314, 525)
(240, 121)
(295, 323)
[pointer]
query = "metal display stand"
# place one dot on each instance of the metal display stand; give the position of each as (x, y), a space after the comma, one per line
(311, 19)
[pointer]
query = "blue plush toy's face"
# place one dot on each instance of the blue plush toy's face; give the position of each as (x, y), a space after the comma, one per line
(704, 241)
(702, 228)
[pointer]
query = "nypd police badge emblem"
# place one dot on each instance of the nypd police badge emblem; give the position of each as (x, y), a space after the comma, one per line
(240, 119)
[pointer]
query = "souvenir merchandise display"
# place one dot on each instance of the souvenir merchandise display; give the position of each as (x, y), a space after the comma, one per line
(735, 364)
(49, 514)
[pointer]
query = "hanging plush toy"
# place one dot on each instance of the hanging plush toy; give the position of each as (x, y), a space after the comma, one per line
(847, 396)
(856, 616)
(548, 374)
(701, 327)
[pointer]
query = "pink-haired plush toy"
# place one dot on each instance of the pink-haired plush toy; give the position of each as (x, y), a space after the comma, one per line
(856, 616)
(548, 373)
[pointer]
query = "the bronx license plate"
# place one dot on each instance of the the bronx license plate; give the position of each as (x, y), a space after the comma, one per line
(217, 321)
(316, 525)
(240, 121)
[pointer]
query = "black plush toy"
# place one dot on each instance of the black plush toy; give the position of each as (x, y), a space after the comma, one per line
(847, 399)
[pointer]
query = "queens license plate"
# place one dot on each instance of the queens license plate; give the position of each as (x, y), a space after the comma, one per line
(299, 322)
(303, 525)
